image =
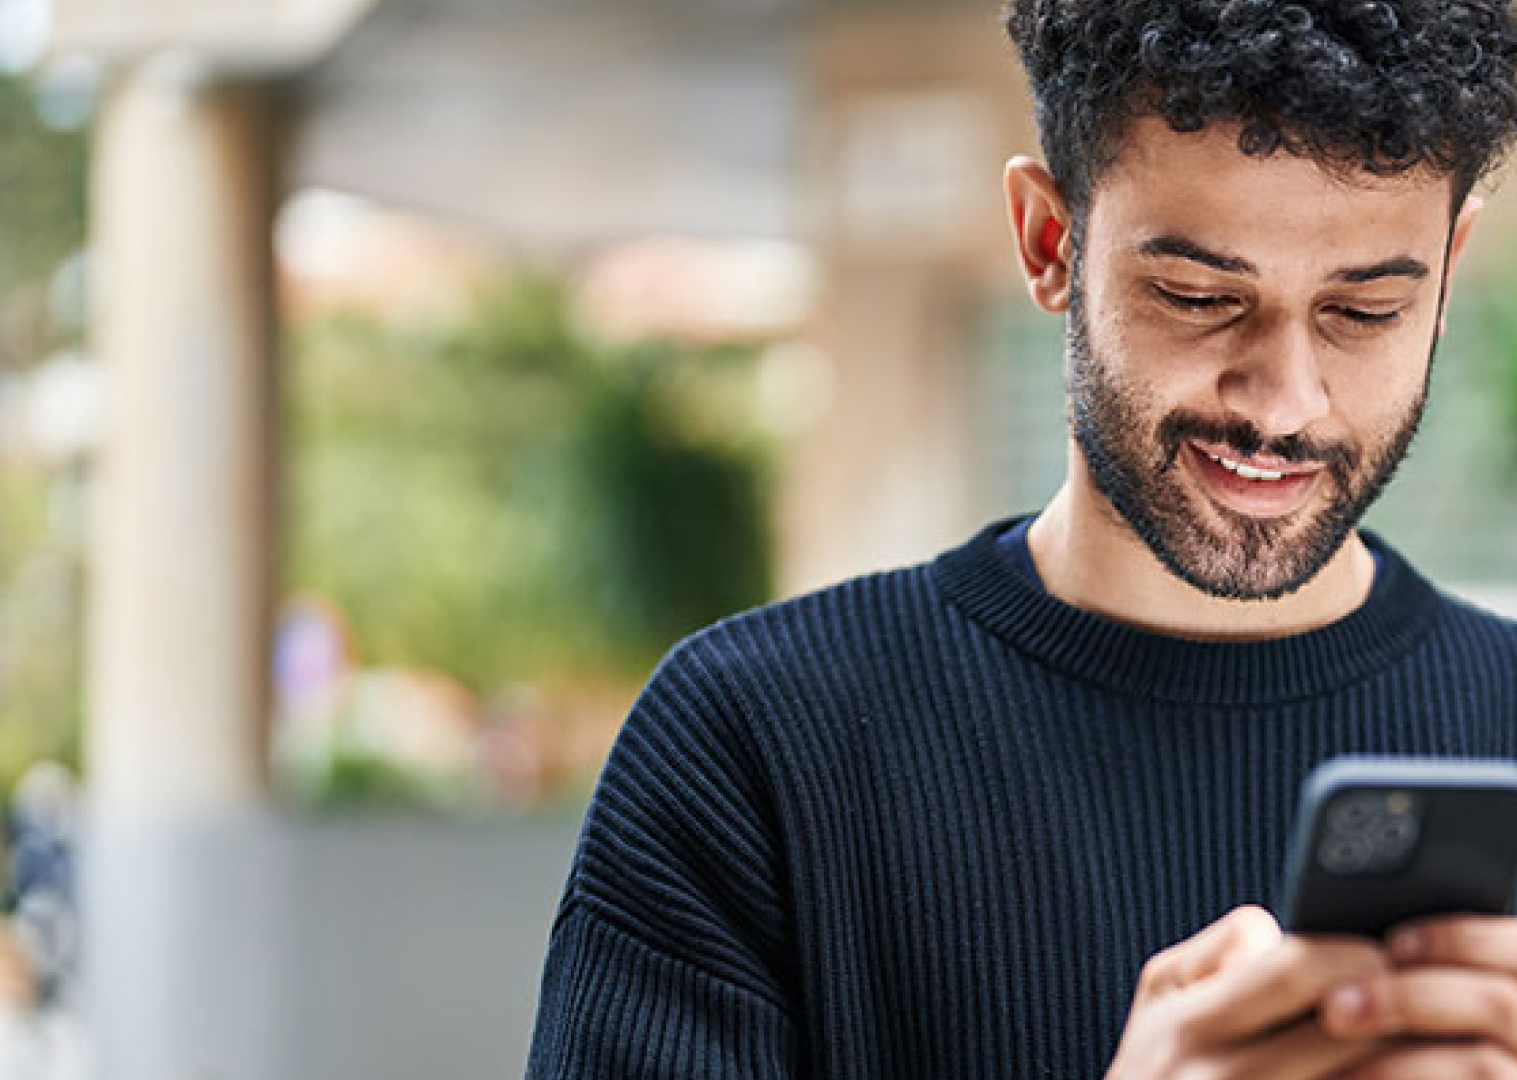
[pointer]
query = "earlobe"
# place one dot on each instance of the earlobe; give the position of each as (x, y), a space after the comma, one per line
(1040, 230)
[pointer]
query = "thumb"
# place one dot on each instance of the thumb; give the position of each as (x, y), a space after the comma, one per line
(1241, 933)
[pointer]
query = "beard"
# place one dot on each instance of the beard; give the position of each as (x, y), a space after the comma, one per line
(1133, 457)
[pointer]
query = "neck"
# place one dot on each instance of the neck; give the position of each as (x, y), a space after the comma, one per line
(1091, 559)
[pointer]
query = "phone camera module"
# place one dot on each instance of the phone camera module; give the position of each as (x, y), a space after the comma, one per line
(1369, 832)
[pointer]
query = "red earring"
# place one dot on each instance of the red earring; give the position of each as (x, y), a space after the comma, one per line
(1053, 233)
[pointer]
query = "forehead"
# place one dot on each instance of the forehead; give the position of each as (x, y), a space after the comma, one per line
(1282, 207)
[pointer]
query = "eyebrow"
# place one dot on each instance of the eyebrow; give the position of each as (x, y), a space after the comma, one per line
(1177, 247)
(1402, 266)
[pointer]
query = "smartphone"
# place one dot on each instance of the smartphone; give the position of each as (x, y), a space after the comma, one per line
(1383, 841)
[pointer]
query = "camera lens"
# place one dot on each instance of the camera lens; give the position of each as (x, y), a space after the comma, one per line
(1354, 813)
(1345, 854)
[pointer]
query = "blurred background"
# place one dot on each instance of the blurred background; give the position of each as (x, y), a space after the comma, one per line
(386, 384)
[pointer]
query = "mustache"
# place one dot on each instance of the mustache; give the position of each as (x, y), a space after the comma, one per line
(1242, 437)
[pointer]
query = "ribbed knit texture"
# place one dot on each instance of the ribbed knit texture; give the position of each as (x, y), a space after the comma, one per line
(929, 824)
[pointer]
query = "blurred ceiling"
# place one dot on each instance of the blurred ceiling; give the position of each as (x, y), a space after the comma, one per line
(257, 36)
(567, 122)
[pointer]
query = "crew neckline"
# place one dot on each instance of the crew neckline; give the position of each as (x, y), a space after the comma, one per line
(982, 581)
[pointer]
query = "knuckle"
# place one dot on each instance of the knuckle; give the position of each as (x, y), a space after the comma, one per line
(1250, 915)
(1153, 972)
(1252, 923)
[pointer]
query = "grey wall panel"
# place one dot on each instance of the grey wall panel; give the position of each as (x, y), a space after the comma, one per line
(272, 949)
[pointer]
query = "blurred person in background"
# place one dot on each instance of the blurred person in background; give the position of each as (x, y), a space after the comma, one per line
(18, 978)
(40, 1038)
(936, 822)
(40, 876)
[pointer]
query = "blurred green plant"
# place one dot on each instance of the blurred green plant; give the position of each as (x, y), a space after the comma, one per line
(1496, 317)
(40, 631)
(671, 527)
(505, 500)
(359, 780)
(43, 173)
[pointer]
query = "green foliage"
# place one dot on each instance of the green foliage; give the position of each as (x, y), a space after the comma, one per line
(504, 500)
(42, 222)
(1495, 332)
(355, 780)
(40, 631)
(43, 176)
(671, 527)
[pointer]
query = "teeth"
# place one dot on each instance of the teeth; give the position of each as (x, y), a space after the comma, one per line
(1248, 472)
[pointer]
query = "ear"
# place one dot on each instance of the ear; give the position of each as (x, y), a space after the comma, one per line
(1464, 224)
(1040, 227)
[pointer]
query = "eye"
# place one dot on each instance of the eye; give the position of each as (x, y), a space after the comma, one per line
(1365, 318)
(1202, 303)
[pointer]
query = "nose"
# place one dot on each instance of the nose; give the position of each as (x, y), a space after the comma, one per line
(1276, 382)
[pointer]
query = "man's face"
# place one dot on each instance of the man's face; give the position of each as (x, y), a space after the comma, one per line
(1249, 348)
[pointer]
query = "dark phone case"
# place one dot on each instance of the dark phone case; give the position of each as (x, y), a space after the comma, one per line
(1464, 860)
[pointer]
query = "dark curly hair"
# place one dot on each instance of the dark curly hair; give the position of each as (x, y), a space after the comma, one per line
(1387, 86)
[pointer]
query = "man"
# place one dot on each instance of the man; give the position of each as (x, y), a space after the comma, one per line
(950, 821)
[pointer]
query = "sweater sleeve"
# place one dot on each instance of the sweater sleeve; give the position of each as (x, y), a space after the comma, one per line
(670, 955)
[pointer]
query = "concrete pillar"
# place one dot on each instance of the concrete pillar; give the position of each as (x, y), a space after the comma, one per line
(184, 190)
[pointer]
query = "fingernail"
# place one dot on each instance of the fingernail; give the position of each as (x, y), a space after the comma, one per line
(1407, 945)
(1349, 1005)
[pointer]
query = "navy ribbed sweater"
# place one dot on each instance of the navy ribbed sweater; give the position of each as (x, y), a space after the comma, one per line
(928, 824)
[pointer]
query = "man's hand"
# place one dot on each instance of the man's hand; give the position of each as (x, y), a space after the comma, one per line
(1239, 1000)
(1448, 1006)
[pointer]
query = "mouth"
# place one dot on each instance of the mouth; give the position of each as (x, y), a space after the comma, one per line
(1255, 487)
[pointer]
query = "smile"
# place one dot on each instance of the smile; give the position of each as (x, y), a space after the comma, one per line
(1259, 488)
(1248, 472)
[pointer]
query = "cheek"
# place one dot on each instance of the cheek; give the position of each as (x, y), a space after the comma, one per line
(1376, 391)
(1372, 395)
(1168, 369)
(1116, 334)
(1389, 368)
(1138, 341)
